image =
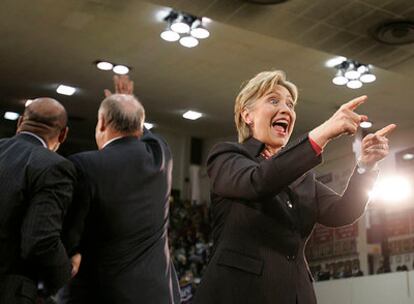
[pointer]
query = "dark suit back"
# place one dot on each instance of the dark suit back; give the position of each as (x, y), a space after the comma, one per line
(35, 191)
(124, 192)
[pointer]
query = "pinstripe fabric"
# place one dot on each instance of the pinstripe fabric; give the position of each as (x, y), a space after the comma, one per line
(35, 191)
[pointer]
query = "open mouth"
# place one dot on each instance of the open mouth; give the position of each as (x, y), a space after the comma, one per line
(280, 125)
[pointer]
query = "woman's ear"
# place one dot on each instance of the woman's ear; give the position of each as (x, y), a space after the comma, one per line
(247, 117)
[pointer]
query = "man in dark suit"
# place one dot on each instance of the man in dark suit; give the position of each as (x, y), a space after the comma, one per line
(35, 190)
(119, 223)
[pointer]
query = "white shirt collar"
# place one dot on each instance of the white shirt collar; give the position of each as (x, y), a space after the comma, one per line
(109, 141)
(35, 136)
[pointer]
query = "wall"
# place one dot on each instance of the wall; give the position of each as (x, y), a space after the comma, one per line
(396, 288)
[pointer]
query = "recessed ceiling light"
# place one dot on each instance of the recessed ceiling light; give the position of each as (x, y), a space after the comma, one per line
(180, 27)
(368, 78)
(354, 84)
(28, 102)
(366, 124)
(148, 125)
(65, 90)
(408, 156)
(11, 115)
(192, 115)
(120, 69)
(335, 61)
(104, 65)
(200, 33)
(189, 41)
(170, 36)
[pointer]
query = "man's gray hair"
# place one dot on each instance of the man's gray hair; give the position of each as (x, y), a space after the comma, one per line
(124, 113)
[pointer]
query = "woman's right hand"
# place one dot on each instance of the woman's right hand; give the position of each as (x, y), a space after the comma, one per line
(344, 121)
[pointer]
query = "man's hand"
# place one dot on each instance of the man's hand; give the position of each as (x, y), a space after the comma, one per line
(375, 147)
(122, 84)
(75, 260)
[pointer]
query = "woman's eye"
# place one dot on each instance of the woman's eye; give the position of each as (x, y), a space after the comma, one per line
(274, 101)
(291, 105)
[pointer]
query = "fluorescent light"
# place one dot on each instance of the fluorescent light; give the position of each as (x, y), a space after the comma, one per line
(354, 84)
(170, 36)
(335, 61)
(104, 65)
(365, 124)
(192, 115)
(189, 41)
(408, 156)
(28, 102)
(180, 27)
(368, 78)
(200, 33)
(148, 125)
(392, 188)
(65, 90)
(11, 115)
(120, 69)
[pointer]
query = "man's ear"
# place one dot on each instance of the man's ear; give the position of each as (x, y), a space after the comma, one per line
(247, 117)
(102, 123)
(63, 134)
(19, 123)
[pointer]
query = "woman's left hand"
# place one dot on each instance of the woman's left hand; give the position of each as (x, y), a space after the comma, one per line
(375, 147)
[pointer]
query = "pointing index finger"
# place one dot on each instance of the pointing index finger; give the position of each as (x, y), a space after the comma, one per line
(355, 103)
(386, 130)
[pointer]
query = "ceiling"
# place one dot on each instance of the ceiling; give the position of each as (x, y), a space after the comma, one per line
(47, 42)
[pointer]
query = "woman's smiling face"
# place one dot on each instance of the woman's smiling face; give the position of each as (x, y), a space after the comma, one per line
(273, 117)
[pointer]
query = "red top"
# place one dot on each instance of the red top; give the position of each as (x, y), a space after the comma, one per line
(315, 146)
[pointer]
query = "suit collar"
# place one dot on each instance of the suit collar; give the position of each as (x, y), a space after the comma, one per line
(120, 141)
(32, 138)
(253, 146)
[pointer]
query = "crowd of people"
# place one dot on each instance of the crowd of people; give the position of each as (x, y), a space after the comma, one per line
(95, 225)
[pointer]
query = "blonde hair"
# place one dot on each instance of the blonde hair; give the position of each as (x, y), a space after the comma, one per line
(255, 88)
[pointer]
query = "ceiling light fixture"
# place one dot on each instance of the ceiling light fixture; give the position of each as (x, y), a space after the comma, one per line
(120, 69)
(408, 156)
(354, 84)
(148, 125)
(185, 28)
(11, 115)
(170, 36)
(104, 65)
(189, 41)
(192, 115)
(365, 124)
(65, 90)
(28, 102)
(350, 72)
(339, 78)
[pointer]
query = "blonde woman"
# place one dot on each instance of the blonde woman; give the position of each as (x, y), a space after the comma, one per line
(266, 201)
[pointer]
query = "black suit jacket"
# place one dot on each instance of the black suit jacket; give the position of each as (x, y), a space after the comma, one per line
(263, 213)
(122, 199)
(35, 191)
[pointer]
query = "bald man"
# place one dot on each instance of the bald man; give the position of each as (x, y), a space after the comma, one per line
(121, 216)
(36, 187)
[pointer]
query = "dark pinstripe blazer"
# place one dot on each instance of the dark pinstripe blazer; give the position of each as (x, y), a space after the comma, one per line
(263, 212)
(35, 191)
(122, 199)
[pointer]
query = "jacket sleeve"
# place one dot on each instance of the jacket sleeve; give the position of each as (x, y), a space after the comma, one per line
(75, 220)
(336, 210)
(235, 174)
(41, 243)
